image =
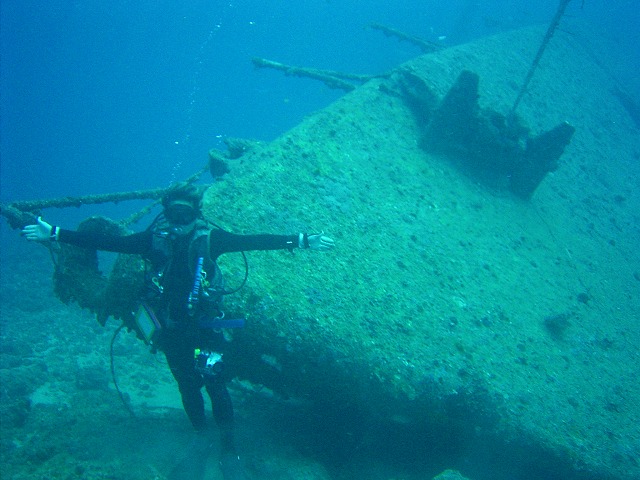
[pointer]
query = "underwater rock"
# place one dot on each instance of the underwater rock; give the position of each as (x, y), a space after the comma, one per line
(14, 413)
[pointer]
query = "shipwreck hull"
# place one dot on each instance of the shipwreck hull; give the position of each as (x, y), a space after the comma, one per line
(467, 327)
(448, 309)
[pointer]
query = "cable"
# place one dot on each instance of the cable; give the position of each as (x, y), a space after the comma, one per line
(126, 404)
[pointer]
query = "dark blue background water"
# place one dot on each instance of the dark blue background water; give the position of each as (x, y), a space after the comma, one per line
(110, 96)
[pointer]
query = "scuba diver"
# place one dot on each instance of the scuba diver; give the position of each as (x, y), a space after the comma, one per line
(182, 299)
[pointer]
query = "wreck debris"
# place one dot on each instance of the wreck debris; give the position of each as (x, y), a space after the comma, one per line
(416, 93)
(218, 163)
(64, 202)
(77, 277)
(342, 80)
(17, 218)
(540, 156)
(236, 148)
(424, 45)
(22, 213)
(487, 144)
(331, 78)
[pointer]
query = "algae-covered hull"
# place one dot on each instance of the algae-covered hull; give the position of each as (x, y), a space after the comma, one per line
(450, 308)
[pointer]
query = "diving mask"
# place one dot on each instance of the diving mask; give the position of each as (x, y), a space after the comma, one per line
(181, 212)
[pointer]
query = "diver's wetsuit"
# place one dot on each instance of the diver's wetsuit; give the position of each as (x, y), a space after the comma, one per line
(182, 337)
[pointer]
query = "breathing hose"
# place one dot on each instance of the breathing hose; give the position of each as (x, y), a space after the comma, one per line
(126, 404)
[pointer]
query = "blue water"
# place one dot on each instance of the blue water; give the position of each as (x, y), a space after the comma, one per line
(111, 96)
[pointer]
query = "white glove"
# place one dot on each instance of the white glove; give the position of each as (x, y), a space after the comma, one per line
(320, 242)
(42, 232)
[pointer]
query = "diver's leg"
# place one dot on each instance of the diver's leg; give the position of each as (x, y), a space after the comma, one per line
(179, 354)
(222, 408)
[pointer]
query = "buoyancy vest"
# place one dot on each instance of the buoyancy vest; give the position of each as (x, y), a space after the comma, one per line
(202, 272)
